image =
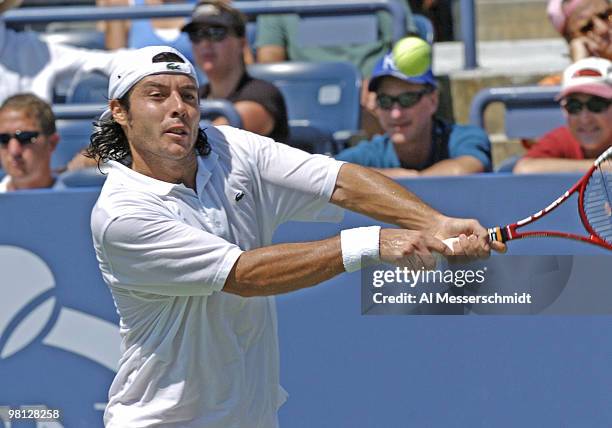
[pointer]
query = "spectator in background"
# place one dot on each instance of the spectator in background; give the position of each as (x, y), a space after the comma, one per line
(585, 24)
(217, 33)
(27, 139)
(146, 32)
(283, 37)
(29, 64)
(280, 38)
(586, 95)
(416, 142)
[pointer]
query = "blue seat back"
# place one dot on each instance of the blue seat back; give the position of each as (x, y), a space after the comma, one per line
(74, 136)
(530, 111)
(312, 140)
(88, 88)
(86, 177)
(324, 95)
(424, 27)
(337, 30)
(532, 119)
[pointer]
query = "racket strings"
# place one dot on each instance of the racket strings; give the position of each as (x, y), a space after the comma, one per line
(597, 201)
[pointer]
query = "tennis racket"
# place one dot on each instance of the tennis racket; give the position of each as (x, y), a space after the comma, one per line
(594, 206)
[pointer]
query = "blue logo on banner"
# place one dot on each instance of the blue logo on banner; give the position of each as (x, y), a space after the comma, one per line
(52, 356)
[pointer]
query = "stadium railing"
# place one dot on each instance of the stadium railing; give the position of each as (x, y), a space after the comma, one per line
(80, 38)
(90, 87)
(75, 125)
(208, 109)
(249, 8)
(253, 8)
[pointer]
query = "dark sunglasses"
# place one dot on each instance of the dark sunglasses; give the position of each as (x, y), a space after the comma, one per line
(593, 104)
(214, 34)
(605, 16)
(405, 100)
(24, 137)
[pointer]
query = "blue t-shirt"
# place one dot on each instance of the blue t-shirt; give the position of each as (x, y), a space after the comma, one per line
(458, 140)
(143, 34)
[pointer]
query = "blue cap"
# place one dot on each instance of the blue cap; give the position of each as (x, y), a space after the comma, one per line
(386, 67)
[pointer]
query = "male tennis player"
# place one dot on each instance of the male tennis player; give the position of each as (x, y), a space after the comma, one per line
(183, 237)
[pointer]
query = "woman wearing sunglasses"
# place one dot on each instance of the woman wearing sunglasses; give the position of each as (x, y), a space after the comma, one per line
(586, 95)
(585, 24)
(415, 141)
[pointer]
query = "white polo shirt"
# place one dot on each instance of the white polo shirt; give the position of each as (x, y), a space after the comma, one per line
(193, 356)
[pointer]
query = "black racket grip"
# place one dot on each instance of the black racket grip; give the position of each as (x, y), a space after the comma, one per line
(498, 234)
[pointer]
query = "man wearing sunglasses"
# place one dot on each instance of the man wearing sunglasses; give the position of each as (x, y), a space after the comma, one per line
(416, 142)
(217, 34)
(27, 140)
(586, 95)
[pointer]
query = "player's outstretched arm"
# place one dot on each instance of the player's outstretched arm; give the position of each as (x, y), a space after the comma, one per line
(368, 192)
(282, 268)
(365, 191)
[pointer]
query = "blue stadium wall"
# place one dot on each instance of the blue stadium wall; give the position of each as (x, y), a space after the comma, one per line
(59, 340)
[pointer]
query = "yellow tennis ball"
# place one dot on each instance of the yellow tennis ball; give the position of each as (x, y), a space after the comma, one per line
(412, 56)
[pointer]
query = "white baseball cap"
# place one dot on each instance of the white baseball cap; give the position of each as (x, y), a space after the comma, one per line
(591, 76)
(131, 66)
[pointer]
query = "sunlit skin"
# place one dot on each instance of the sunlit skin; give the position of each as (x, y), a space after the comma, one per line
(162, 127)
(28, 165)
(409, 128)
(597, 41)
(592, 130)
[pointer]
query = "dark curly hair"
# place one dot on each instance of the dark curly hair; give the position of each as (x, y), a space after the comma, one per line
(108, 141)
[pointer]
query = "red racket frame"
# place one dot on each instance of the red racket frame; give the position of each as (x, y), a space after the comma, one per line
(509, 232)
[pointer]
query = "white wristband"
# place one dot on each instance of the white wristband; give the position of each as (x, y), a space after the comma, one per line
(357, 243)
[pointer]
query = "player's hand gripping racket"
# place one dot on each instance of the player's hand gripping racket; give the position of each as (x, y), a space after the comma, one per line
(594, 206)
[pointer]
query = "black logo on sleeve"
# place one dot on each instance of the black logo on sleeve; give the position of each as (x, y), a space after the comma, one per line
(239, 196)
